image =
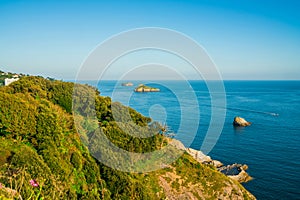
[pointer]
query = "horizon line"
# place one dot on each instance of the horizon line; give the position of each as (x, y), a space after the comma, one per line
(180, 80)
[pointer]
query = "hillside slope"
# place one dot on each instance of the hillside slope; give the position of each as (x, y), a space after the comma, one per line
(43, 156)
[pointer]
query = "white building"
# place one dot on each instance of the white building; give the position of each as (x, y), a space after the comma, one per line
(8, 81)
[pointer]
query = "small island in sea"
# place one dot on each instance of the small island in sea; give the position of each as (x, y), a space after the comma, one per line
(145, 88)
(127, 84)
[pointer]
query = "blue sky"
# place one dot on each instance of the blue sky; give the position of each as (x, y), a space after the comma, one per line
(247, 39)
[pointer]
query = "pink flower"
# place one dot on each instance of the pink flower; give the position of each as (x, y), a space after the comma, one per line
(1, 186)
(34, 183)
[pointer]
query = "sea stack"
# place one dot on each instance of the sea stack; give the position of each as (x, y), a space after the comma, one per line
(239, 121)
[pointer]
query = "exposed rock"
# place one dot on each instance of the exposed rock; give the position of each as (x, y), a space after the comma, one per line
(231, 170)
(242, 177)
(239, 121)
(217, 163)
(199, 156)
(236, 172)
(144, 88)
(202, 158)
(245, 167)
(177, 144)
(127, 84)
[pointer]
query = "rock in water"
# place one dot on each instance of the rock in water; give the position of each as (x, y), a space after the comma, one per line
(239, 121)
(144, 88)
(236, 172)
(127, 84)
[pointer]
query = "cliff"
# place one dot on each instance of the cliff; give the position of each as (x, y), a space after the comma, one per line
(43, 156)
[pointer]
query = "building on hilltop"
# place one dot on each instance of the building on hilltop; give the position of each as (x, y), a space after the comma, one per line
(8, 81)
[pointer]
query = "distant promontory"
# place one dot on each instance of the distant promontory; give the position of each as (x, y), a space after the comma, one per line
(127, 84)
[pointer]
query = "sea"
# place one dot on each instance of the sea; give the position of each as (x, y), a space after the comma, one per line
(270, 146)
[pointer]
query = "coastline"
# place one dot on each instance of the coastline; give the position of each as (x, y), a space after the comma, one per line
(257, 145)
(234, 171)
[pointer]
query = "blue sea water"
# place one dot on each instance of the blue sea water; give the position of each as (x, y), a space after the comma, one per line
(270, 146)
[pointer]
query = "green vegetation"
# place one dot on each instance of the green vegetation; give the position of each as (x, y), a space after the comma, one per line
(39, 142)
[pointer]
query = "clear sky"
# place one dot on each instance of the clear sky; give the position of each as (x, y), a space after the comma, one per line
(247, 39)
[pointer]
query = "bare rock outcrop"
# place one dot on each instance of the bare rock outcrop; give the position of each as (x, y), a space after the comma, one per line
(199, 156)
(144, 88)
(239, 121)
(235, 171)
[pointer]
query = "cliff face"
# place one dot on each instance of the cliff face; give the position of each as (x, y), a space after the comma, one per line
(40, 144)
